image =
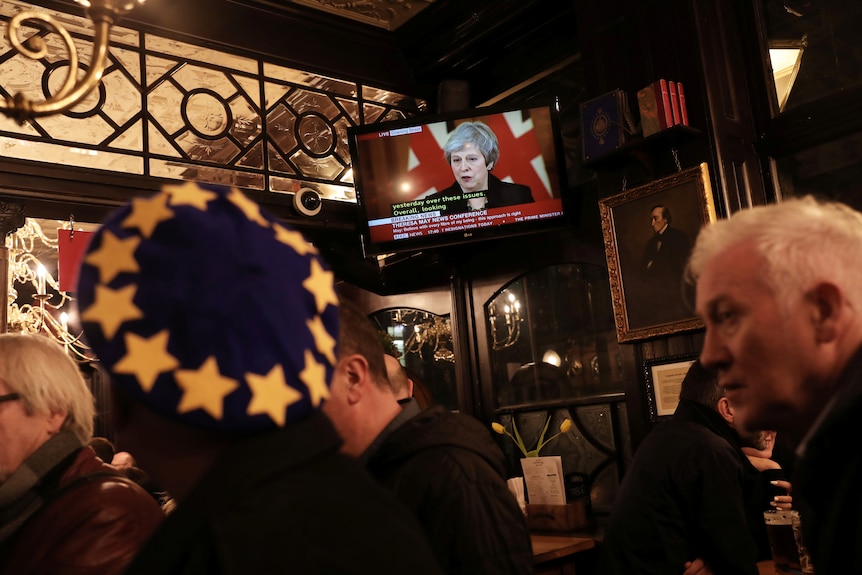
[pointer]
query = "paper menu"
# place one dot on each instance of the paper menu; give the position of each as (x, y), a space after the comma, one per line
(543, 477)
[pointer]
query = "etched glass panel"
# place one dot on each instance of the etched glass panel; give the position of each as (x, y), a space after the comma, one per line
(307, 79)
(211, 116)
(70, 155)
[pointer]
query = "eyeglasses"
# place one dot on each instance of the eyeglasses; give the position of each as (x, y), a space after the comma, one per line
(9, 397)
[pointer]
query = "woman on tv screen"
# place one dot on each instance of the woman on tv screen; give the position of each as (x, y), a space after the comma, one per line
(472, 151)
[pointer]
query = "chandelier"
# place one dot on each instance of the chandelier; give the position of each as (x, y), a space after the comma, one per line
(103, 13)
(426, 333)
(47, 314)
(506, 335)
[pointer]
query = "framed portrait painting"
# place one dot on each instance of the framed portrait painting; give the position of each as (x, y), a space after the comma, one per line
(648, 234)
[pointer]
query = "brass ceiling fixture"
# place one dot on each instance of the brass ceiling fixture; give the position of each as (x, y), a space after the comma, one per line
(104, 14)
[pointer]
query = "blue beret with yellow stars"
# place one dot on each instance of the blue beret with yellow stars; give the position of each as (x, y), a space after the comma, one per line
(209, 311)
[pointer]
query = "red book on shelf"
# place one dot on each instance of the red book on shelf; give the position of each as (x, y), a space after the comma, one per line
(654, 107)
(674, 102)
(665, 98)
(683, 111)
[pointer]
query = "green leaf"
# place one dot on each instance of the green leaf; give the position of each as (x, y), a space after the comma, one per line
(518, 439)
(542, 441)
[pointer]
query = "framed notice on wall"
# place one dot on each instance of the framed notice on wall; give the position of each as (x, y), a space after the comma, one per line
(663, 380)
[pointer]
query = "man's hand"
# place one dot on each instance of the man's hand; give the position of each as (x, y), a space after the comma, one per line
(696, 567)
(782, 501)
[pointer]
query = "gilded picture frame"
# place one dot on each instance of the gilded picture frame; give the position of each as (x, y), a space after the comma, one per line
(645, 267)
(663, 379)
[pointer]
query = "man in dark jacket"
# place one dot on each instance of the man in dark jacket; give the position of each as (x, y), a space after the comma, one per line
(218, 326)
(778, 288)
(658, 295)
(688, 495)
(62, 509)
(444, 466)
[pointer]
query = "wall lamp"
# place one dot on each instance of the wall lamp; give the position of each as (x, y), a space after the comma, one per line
(103, 13)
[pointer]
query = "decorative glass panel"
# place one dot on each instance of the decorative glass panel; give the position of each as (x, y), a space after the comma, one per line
(210, 116)
(423, 343)
(552, 337)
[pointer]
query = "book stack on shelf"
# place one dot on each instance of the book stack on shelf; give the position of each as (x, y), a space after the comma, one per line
(662, 105)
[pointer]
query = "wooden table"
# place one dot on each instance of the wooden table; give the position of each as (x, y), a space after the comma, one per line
(558, 554)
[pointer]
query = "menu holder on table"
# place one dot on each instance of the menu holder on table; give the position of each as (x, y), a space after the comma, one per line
(558, 518)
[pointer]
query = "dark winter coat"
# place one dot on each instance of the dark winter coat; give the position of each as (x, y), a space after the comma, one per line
(828, 479)
(287, 502)
(93, 522)
(447, 468)
(683, 497)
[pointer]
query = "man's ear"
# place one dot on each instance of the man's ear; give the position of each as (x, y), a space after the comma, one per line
(725, 410)
(828, 300)
(355, 368)
(56, 420)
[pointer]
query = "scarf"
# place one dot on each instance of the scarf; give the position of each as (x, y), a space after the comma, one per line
(32, 483)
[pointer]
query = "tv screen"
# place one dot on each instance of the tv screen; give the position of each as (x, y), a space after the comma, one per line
(431, 181)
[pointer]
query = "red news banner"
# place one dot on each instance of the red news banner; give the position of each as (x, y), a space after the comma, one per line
(409, 221)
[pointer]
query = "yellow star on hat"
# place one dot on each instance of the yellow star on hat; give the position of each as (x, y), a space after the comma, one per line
(293, 239)
(319, 283)
(204, 388)
(147, 213)
(314, 378)
(146, 358)
(190, 194)
(271, 394)
(112, 307)
(248, 207)
(114, 256)
(324, 342)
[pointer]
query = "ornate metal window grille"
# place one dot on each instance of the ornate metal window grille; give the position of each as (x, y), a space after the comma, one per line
(170, 109)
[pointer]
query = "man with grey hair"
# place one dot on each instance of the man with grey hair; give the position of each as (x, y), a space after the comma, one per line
(472, 151)
(779, 288)
(62, 509)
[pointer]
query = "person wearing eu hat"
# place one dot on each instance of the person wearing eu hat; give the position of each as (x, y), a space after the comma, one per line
(217, 326)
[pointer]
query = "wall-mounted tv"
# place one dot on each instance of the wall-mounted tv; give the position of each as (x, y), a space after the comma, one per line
(431, 181)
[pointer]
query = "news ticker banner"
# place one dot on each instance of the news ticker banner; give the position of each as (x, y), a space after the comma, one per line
(428, 223)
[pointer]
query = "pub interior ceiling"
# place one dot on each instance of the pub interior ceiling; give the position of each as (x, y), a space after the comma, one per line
(506, 50)
(387, 14)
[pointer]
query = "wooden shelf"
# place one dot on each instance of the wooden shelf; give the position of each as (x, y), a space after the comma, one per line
(644, 149)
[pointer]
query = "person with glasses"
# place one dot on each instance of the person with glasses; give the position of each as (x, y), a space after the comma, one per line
(62, 509)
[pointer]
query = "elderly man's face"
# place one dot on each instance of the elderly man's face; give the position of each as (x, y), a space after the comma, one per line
(469, 168)
(765, 357)
(21, 434)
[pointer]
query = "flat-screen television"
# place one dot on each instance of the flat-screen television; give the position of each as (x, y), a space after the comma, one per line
(431, 181)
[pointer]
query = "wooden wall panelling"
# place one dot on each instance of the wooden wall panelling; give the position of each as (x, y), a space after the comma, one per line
(628, 44)
(727, 94)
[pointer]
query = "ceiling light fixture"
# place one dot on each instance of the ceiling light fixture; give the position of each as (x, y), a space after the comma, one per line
(103, 13)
